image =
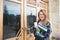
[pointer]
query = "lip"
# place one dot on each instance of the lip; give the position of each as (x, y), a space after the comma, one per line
(41, 17)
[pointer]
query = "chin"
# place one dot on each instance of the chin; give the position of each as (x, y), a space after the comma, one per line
(42, 19)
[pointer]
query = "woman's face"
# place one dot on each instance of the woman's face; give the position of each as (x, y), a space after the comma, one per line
(41, 16)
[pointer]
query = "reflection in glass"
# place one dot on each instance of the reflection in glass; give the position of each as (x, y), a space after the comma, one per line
(11, 19)
(31, 18)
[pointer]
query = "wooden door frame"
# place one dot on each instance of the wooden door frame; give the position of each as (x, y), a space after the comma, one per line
(1, 19)
(25, 18)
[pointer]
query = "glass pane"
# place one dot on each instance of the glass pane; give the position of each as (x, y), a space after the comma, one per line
(31, 18)
(45, 1)
(43, 5)
(11, 19)
(32, 2)
(19, 0)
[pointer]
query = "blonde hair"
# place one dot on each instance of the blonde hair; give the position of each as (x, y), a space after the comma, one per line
(45, 20)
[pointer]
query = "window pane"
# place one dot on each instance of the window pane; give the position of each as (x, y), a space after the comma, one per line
(31, 18)
(11, 19)
(32, 2)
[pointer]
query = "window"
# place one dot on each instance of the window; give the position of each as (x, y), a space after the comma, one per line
(31, 18)
(11, 19)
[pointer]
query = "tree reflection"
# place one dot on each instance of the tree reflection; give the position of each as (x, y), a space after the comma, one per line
(11, 24)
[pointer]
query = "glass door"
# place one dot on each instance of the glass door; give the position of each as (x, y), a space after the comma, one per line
(19, 17)
(30, 16)
(11, 19)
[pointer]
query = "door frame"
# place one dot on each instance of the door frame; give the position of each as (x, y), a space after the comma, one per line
(1, 19)
(23, 18)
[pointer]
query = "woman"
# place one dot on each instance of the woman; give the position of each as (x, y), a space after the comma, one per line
(44, 22)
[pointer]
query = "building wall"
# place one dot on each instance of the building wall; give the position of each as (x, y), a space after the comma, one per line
(59, 15)
(54, 17)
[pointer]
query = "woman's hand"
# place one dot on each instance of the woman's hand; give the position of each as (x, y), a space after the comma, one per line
(36, 27)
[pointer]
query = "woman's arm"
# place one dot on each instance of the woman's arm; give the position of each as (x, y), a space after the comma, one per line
(49, 30)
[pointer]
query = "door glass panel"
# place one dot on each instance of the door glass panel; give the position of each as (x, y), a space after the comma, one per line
(11, 19)
(31, 18)
(32, 2)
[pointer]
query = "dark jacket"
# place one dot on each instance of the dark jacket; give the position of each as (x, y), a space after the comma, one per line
(46, 34)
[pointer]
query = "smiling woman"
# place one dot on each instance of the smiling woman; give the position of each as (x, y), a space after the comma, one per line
(11, 19)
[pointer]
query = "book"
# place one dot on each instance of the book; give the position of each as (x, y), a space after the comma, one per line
(41, 29)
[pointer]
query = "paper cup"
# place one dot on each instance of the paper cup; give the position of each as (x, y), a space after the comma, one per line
(35, 24)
